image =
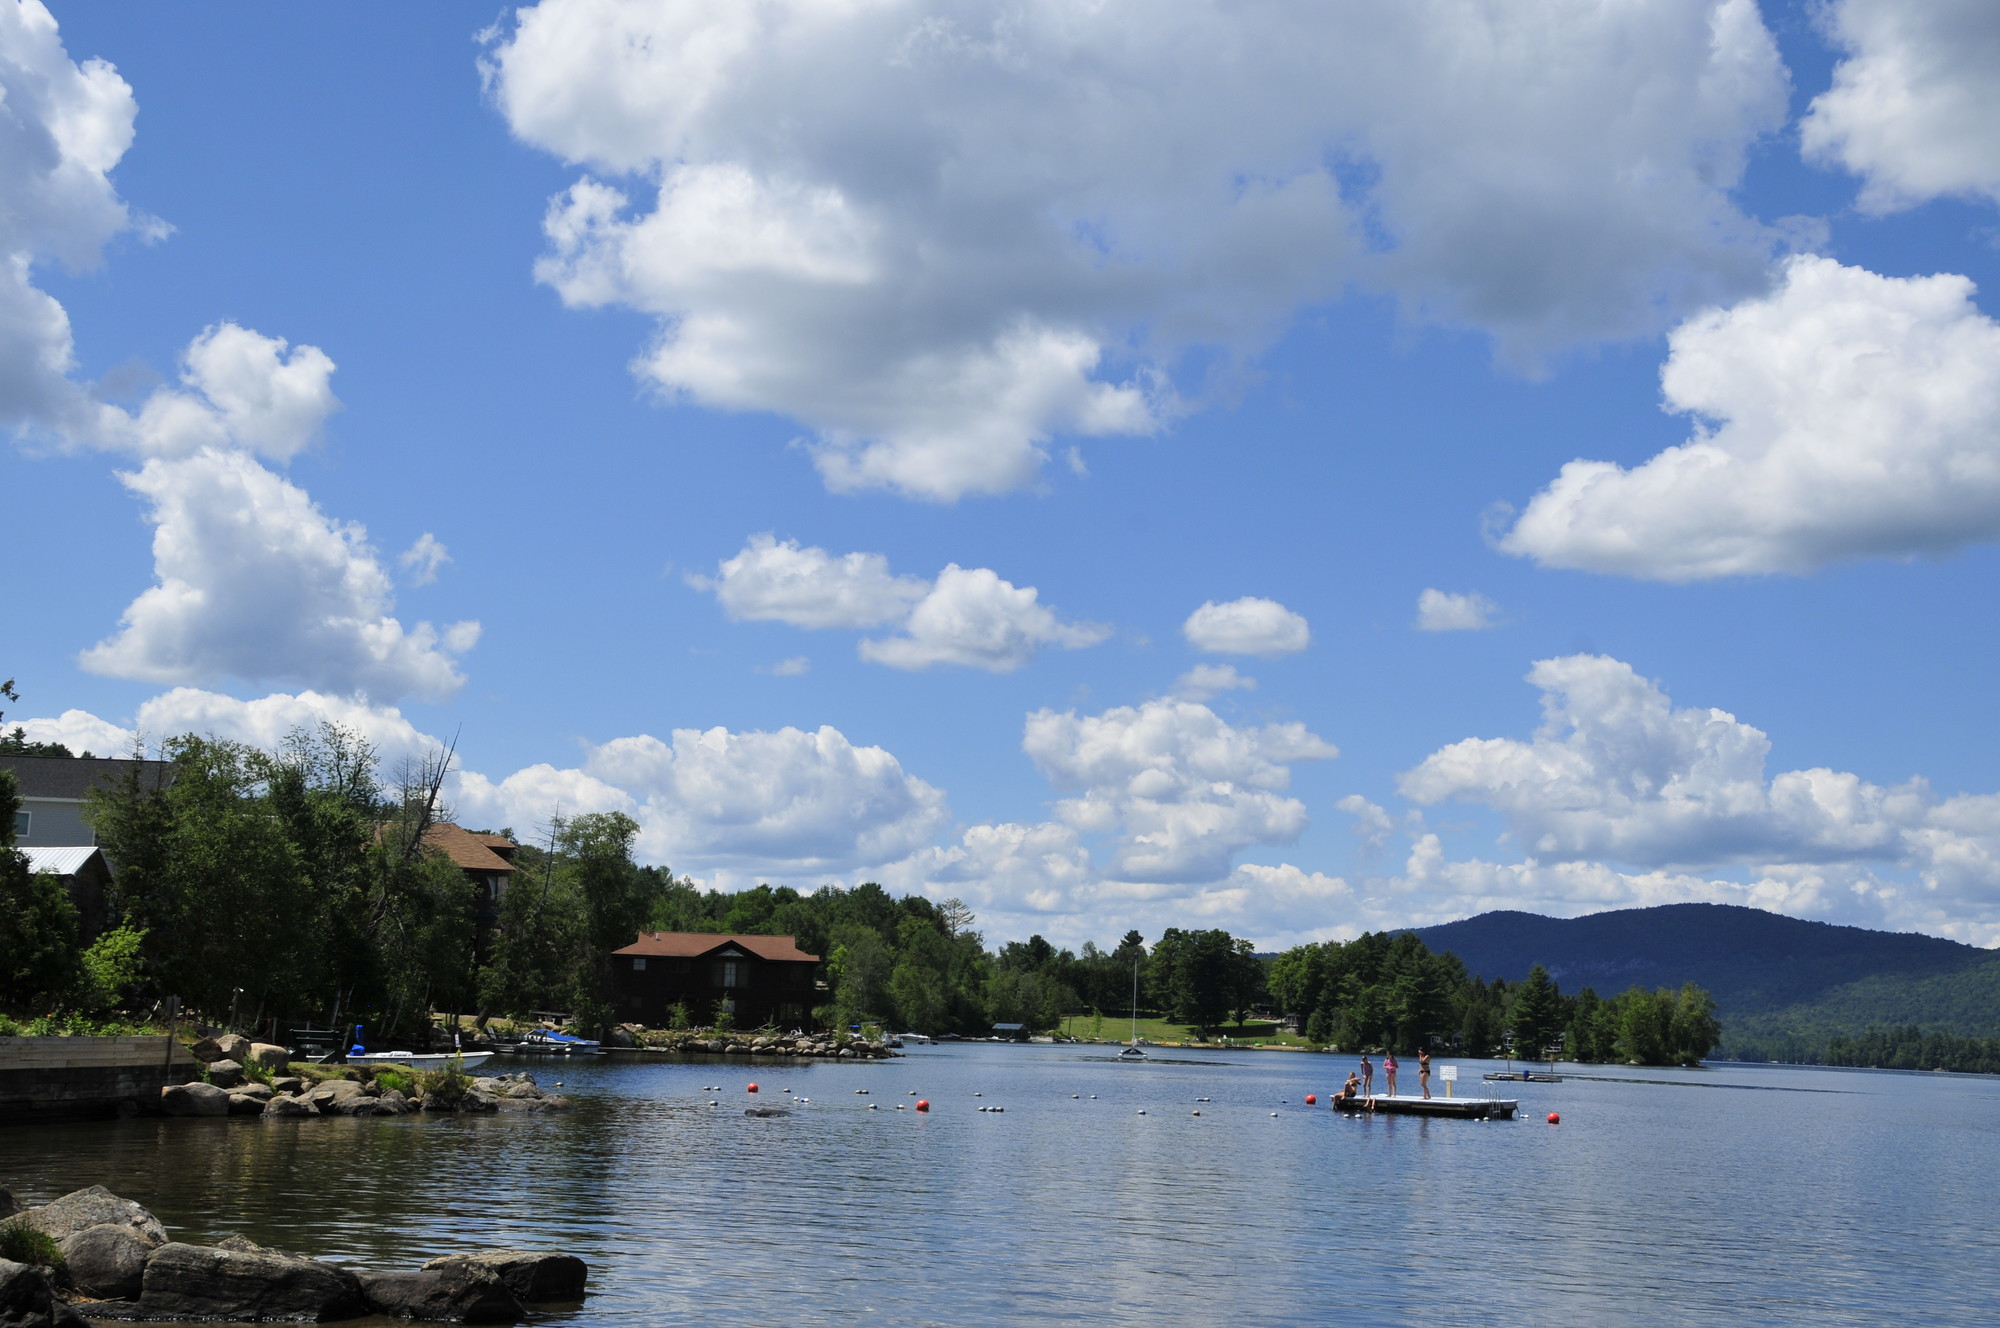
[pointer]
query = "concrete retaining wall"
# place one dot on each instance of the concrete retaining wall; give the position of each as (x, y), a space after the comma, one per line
(59, 1078)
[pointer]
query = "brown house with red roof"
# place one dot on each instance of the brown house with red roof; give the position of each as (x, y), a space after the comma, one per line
(758, 980)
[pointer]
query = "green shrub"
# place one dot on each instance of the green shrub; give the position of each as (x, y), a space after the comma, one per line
(24, 1244)
(405, 1084)
(447, 1086)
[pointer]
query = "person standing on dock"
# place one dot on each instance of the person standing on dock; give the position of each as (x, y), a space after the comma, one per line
(1367, 1076)
(1389, 1070)
(1424, 1070)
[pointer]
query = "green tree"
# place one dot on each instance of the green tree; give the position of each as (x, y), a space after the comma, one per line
(1537, 1015)
(38, 957)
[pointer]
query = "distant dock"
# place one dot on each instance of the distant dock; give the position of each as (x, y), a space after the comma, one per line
(1464, 1108)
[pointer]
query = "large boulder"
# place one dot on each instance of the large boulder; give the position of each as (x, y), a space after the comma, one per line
(532, 1277)
(456, 1293)
(235, 1047)
(28, 1301)
(225, 1073)
(270, 1055)
(79, 1210)
(287, 1105)
(206, 1050)
(194, 1100)
(287, 1083)
(107, 1261)
(203, 1282)
(324, 1095)
(246, 1104)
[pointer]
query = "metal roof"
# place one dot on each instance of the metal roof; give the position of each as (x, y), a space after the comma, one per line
(62, 861)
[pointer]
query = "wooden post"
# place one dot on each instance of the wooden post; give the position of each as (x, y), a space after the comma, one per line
(173, 1027)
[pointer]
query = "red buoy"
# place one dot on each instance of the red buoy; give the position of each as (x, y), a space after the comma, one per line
(1311, 1098)
(753, 1088)
(1555, 1118)
(923, 1104)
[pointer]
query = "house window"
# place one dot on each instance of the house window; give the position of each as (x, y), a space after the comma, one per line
(638, 964)
(21, 820)
(729, 973)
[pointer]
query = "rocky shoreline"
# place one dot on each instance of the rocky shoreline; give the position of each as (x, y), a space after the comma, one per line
(118, 1264)
(285, 1089)
(636, 1037)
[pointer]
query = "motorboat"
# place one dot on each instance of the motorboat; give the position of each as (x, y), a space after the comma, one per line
(548, 1042)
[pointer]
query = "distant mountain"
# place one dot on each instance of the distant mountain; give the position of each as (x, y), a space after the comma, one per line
(1754, 963)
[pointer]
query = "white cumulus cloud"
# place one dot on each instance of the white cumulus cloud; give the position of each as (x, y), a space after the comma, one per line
(241, 390)
(970, 617)
(973, 618)
(1247, 626)
(1914, 109)
(63, 127)
(1617, 776)
(1180, 790)
(784, 801)
(1205, 681)
(256, 583)
(1442, 611)
(424, 559)
(1844, 415)
(777, 581)
(939, 235)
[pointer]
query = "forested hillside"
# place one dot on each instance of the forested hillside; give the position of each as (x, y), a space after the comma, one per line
(1751, 961)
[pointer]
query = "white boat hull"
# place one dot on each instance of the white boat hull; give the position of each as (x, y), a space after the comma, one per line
(410, 1060)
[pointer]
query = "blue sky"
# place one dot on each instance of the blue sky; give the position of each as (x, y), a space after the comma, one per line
(1002, 452)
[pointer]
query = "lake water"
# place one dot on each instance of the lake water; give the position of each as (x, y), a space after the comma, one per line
(1749, 1195)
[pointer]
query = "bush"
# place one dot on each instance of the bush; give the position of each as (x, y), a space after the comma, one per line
(447, 1086)
(405, 1084)
(110, 970)
(24, 1244)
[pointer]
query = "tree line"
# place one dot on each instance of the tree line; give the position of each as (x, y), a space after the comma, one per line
(1391, 991)
(1906, 1047)
(297, 884)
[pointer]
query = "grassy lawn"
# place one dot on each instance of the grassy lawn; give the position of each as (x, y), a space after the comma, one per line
(1168, 1030)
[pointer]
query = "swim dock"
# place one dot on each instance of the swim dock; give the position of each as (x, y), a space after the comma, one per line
(1465, 1108)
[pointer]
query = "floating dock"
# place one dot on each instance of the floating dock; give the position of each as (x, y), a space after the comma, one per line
(1465, 1108)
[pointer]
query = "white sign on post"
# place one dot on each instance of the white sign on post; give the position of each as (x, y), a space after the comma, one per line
(1448, 1073)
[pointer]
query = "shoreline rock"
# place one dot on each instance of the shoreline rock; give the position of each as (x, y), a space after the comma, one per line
(134, 1272)
(359, 1096)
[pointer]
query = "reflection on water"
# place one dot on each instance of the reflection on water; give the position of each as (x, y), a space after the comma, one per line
(1846, 1204)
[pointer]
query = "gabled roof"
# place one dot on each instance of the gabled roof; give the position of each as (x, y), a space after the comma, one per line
(470, 851)
(699, 944)
(466, 850)
(70, 777)
(62, 860)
